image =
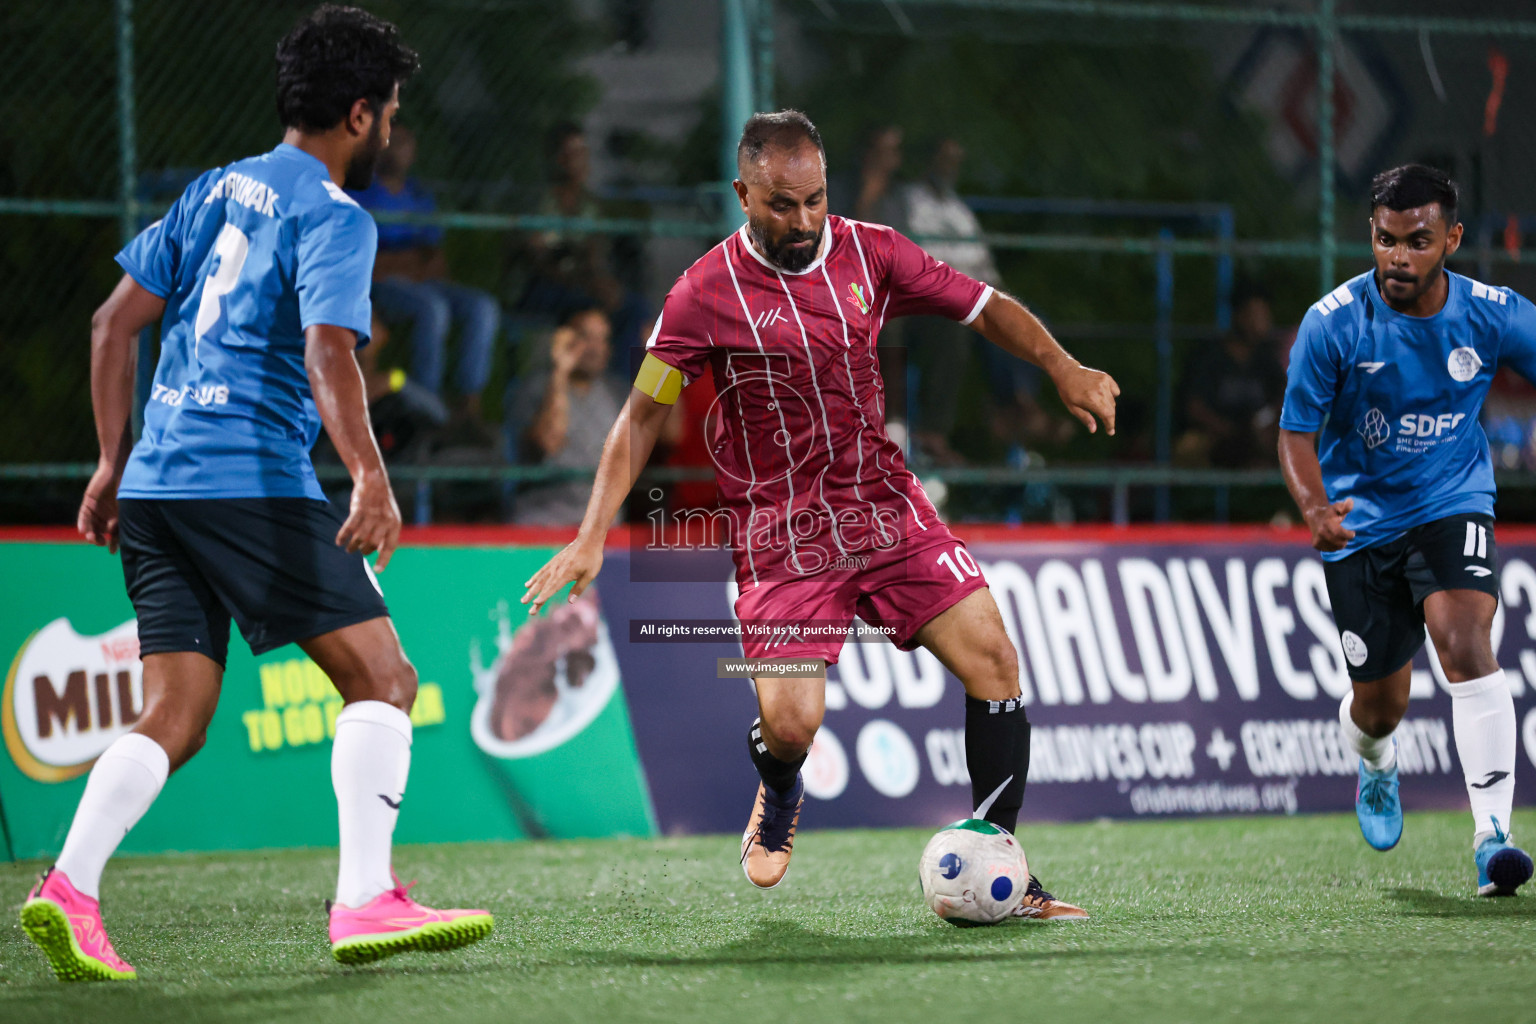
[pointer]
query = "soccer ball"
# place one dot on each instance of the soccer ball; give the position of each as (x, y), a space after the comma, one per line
(973, 872)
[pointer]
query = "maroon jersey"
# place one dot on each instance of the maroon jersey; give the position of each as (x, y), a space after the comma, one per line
(807, 473)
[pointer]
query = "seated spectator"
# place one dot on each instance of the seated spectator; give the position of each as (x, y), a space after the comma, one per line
(940, 348)
(877, 200)
(572, 271)
(405, 414)
(410, 283)
(1231, 393)
(561, 418)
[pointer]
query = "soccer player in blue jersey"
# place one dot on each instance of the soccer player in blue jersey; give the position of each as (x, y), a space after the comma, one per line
(1382, 450)
(259, 277)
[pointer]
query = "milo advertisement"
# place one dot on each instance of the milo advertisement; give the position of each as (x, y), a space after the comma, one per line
(521, 727)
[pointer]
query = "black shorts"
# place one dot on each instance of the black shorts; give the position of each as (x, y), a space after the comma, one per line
(1378, 594)
(270, 563)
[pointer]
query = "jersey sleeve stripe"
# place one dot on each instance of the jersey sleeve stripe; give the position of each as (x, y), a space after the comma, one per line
(986, 293)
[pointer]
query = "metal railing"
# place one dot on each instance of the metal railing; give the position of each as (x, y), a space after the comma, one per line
(748, 83)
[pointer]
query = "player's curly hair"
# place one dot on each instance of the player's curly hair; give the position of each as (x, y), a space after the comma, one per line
(333, 58)
(1414, 185)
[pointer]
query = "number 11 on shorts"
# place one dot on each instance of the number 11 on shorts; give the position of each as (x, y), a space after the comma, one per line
(1477, 541)
(966, 561)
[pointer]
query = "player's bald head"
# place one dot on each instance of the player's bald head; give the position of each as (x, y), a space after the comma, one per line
(781, 133)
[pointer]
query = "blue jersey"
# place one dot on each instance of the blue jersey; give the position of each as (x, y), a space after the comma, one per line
(250, 256)
(1397, 398)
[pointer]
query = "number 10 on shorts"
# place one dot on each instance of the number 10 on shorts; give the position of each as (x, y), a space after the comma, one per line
(963, 557)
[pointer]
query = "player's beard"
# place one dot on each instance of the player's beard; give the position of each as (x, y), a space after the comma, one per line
(360, 168)
(780, 254)
(1420, 284)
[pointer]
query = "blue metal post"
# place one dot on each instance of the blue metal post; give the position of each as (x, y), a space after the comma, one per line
(762, 51)
(127, 157)
(127, 191)
(735, 99)
(1226, 231)
(1164, 334)
(421, 515)
(1327, 37)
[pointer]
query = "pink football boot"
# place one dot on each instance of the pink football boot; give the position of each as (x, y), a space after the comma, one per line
(66, 924)
(393, 923)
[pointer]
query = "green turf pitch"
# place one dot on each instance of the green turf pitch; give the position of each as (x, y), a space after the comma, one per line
(1245, 920)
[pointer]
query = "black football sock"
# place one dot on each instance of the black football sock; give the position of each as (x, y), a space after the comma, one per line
(997, 753)
(778, 776)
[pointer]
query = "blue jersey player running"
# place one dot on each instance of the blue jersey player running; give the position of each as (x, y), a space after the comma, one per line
(1382, 450)
(259, 276)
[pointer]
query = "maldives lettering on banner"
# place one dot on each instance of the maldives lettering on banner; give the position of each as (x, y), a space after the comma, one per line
(1162, 678)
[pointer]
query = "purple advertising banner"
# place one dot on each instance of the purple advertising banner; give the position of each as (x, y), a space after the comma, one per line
(1162, 678)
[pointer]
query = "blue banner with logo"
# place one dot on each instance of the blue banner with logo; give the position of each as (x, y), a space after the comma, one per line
(1179, 678)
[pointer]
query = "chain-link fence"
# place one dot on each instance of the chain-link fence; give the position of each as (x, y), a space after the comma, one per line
(1138, 168)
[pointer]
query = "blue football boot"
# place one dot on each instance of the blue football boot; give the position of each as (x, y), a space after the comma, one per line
(1501, 868)
(1377, 805)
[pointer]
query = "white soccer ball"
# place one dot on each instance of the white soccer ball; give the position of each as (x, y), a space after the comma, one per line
(973, 872)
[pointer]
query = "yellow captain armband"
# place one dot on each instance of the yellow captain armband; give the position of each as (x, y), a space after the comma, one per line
(662, 382)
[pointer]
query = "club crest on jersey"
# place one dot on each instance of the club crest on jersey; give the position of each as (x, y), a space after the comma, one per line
(1374, 429)
(1463, 364)
(856, 297)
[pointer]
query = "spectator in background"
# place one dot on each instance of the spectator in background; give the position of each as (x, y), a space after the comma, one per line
(561, 417)
(403, 412)
(877, 199)
(572, 271)
(932, 209)
(1231, 392)
(410, 283)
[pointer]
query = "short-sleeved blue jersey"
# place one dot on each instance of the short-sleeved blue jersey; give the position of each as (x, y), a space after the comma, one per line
(247, 258)
(1397, 398)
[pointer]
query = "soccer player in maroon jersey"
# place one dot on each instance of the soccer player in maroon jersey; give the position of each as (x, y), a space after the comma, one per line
(826, 520)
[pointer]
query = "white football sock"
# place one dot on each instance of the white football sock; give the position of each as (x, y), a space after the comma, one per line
(370, 760)
(124, 782)
(1483, 717)
(1379, 753)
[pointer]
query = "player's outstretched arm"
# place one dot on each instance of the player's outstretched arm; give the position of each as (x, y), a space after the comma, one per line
(114, 343)
(373, 522)
(1087, 393)
(1304, 479)
(625, 452)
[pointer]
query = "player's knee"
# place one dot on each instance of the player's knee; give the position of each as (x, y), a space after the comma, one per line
(191, 746)
(401, 688)
(1464, 652)
(1379, 715)
(995, 675)
(792, 735)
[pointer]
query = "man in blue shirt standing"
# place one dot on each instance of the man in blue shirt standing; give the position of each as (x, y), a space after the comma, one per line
(1382, 450)
(259, 277)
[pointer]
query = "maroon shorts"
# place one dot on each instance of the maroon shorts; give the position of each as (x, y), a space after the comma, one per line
(899, 591)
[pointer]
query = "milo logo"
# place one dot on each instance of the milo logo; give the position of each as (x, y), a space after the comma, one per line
(67, 697)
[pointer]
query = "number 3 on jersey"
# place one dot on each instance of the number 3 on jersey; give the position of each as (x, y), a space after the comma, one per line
(229, 253)
(963, 557)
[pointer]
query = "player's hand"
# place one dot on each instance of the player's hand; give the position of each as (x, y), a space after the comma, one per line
(1089, 393)
(578, 562)
(565, 350)
(97, 521)
(373, 524)
(1328, 530)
